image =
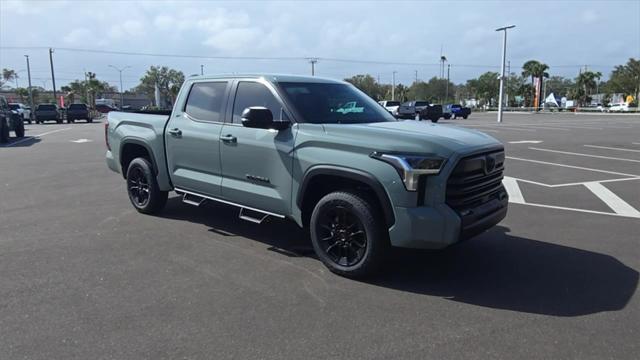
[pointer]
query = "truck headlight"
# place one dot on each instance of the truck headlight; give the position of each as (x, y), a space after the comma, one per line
(411, 167)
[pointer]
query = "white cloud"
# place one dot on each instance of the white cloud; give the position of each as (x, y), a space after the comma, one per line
(234, 40)
(128, 29)
(78, 36)
(589, 16)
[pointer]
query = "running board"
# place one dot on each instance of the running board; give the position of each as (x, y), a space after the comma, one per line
(193, 198)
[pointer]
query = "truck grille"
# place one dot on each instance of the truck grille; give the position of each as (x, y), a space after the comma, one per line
(475, 180)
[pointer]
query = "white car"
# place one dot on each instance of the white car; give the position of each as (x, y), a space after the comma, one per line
(618, 107)
(22, 110)
(391, 106)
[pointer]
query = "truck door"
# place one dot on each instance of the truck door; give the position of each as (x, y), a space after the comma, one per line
(193, 138)
(256, 163)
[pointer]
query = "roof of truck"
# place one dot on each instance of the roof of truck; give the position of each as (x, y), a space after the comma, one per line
(269, 77)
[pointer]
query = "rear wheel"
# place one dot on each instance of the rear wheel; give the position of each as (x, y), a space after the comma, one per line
(465, 117)
(142, 187)
(4, 132)
(348, 235)
(20, 129)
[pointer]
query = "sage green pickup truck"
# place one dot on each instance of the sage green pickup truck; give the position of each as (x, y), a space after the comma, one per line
(282, 146)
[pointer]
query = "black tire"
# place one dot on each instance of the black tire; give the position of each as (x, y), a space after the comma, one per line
(342, 250)
(89, 120)
(447, 116)
(20, 129)
(465, 117)
(70, 121)
(142, 187)
(433, 120)
(59, 121)
(4, 132)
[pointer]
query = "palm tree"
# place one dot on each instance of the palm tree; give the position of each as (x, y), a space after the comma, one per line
(586, 82)
(535, 70)
(8, 75)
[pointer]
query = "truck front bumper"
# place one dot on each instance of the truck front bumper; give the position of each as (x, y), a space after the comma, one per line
(440, 226)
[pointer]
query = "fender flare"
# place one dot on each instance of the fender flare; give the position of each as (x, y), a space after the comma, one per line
(352, 174)
(136, 141)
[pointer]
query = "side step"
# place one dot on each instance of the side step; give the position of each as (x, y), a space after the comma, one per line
(192, 199)
(252, 216)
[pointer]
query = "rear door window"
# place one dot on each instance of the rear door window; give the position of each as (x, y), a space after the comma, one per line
(205, 101)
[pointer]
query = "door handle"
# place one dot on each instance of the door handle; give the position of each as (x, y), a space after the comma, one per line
(175, 132)
(229, 138)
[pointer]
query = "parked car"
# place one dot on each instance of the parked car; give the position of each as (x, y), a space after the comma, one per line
(275, 146)
(9, 121)
(621, 107)
(410, 109)
(456, 111)
(22, 110)
(78, 112)
(104, 108)
(48, 112)
(431, 112)
(391, 106)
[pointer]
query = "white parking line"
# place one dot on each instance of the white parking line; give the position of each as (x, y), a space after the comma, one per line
(572, 166)
(612, 148)
(575, 209)
(612, 200)
(498, 126)
(36, 136)
(585, 155)
(511, 185)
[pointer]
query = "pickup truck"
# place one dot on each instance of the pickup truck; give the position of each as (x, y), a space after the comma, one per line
(10, 120)
(456, 111)
(276, 146)
(410, 109)
(46, 112)
(77, 112)
(391, 106)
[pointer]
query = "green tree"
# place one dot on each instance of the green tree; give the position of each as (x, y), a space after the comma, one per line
(535, 70)
(559, 85)
(368, 85)
(168, 80)
(585, 85)
(486, 87)
(8, 75)
(23, 93)
(625, 79)
(435, 90)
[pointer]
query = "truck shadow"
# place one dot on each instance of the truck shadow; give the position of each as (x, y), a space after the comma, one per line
(23, 142)
(495, 270)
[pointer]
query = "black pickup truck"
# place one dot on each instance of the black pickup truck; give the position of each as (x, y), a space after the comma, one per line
(78, 112)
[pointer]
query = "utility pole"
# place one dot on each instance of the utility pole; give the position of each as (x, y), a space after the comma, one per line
(121, 93)
(393, 86)
(504, 56)
(446, 98)
(30, 92)
(53, 76)
(313, 62)
(506, 95)
(416, 76)
(201, 69)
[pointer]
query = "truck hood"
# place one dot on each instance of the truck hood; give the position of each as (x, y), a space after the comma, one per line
(412, 137)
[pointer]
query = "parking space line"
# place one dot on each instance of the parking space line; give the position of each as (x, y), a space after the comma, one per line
(576, 210)
(511, 185)
(572, 166)
(612, 148)
(574, 183)
(500, 126)
(585, 155)
(612, 200)
(35, 137)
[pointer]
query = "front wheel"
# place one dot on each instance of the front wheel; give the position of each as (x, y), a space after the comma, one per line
(142, 187)
(465, 117)
(348, 235)
(4, 132)
(20, 130)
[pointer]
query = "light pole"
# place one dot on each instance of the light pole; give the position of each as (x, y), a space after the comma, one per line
(504, 56)
(393, 86)
(121, 94)
(313, 62)
(30, 92)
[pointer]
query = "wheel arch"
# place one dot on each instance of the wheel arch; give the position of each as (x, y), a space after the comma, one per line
(345, 177)
(133, 148)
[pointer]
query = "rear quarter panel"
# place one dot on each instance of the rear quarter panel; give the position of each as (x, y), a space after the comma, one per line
(141, 129)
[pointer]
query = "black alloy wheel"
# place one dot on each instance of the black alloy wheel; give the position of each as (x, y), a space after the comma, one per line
(138, 187)
(342, 236)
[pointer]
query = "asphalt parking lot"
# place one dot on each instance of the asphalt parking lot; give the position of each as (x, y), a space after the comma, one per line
(84, 276)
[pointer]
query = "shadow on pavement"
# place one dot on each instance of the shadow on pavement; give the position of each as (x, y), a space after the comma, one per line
(24, 142)
(495, 270)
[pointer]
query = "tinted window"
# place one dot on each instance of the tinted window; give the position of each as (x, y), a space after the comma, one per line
(393, 103)
(325, 103)
(46, 107)
(14, 106)
(421, 103)
(254, 94)
(77, 107)
(205, 101)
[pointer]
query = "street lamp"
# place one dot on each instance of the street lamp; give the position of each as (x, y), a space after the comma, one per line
(121, 94)
(504, 55)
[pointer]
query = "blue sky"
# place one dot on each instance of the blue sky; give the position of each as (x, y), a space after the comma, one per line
(563, 34)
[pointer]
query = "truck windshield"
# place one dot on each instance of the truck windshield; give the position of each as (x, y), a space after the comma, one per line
(46, 107)
(322, 103)
(77, 107)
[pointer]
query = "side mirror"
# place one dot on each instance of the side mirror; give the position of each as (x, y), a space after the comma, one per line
(261, 118)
